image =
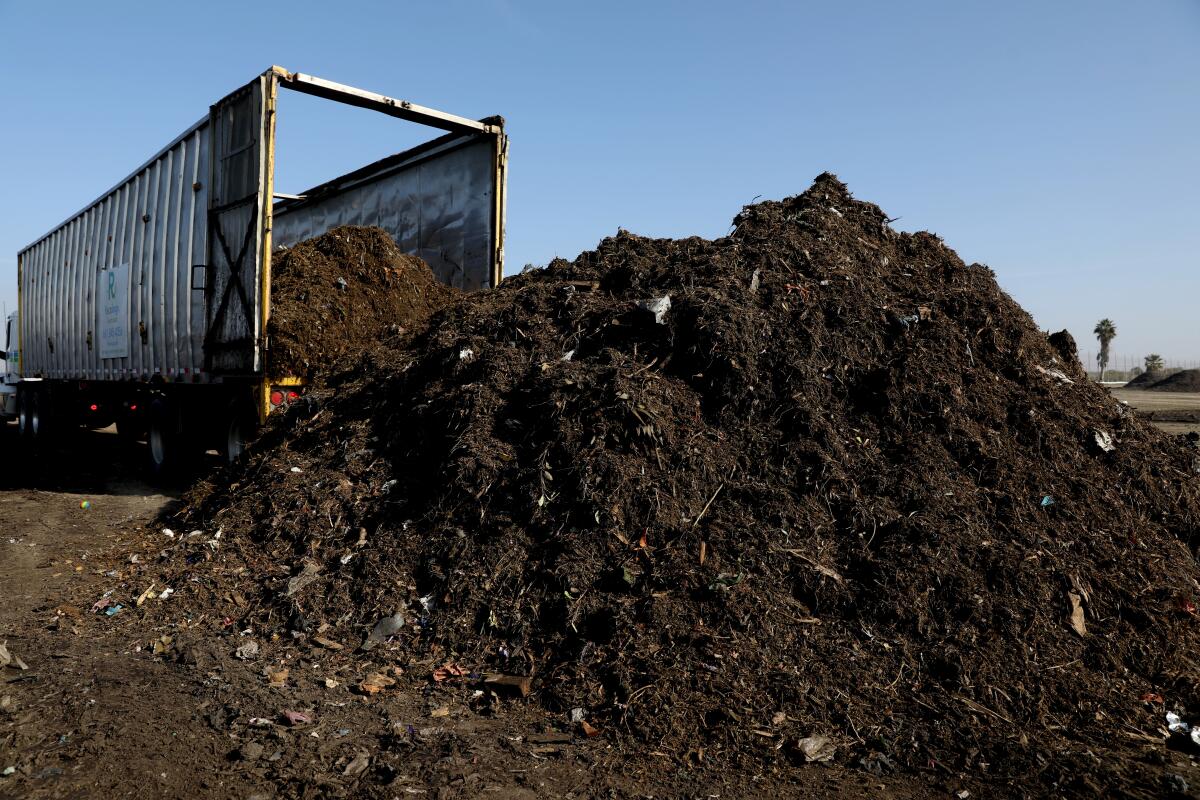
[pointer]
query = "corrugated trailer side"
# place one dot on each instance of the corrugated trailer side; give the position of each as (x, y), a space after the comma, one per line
(147, 232)
(148, 307)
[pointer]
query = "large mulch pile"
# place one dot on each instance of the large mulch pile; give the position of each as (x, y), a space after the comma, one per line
(1147, 379)
(1187, 380)
(340, 293)
(841, 499)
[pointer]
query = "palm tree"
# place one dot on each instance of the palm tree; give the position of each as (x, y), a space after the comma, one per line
(1105, 331)
(1154, 362)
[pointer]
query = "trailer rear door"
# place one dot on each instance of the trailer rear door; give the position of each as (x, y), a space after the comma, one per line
(238, 224)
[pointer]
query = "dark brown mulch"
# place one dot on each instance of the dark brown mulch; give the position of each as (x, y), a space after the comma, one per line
(1147, 379)
(341, 293)
(1187, 380)
(845, 488)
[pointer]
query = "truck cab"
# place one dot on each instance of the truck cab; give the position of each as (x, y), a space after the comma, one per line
(12, 369)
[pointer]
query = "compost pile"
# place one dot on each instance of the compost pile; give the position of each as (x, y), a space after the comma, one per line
(1147, 379)
(817, 489)
(1187, 380)
(340, 293)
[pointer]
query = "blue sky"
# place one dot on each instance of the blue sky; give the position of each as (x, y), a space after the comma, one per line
(1055, 142)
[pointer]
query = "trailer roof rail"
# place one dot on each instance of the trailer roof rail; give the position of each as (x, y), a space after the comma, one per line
(309, 84)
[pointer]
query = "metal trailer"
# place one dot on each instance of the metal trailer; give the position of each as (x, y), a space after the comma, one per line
(149, 307)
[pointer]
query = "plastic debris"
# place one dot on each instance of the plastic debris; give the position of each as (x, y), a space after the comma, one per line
(1104, 441)
(165, 593)
(85, 504)
(307, 575)
(877, 764)
(383, 630)
(657, 306)
(1053, 373)
(816, 748)
(297, 717)
(358, 765)
(1175, 724)
(112, 611)
(246, 650)
(447, 671)
(7, 659)
(577, 715)
(1047, 501)
(9, 771)
(104, 602)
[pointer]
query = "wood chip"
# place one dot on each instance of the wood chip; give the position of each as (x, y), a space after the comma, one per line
(518, 683)
(1077, 621)
(328, 644)
(375, 683)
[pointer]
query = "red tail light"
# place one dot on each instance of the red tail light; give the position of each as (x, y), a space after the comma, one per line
(293, 396)
(276, 398)
(94, 407)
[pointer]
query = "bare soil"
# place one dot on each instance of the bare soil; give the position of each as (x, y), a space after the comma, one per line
(1177, 413)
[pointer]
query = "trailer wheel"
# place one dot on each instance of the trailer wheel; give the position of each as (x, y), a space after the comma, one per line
(24, 421)
(165, 437)
(38, 405)
(240, 427)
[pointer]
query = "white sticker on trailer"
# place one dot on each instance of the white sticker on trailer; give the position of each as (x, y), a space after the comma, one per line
(113, 295)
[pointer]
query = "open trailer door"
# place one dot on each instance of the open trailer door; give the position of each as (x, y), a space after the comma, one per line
(239, 210)
(442, 201)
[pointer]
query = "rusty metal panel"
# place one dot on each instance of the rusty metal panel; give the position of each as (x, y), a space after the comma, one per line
(442, 202)
(149, 229)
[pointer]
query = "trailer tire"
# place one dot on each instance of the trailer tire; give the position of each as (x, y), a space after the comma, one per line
(167, 448)
(24, 426)
(238, 429)
(39, 416)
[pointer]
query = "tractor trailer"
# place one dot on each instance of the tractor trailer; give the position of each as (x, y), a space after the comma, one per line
(149, 307)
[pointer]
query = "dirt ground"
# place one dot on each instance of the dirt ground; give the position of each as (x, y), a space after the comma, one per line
(98, 713)
(1174, 412)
